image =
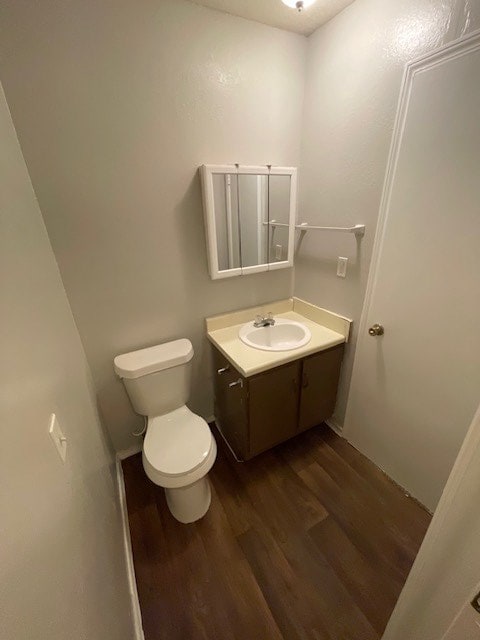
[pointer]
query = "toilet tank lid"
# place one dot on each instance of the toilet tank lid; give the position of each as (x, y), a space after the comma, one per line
(162, 356)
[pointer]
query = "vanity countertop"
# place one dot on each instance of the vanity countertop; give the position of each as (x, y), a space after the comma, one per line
(328, 330)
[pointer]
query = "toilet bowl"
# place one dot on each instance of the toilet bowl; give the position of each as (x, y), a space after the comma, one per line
(179, 449)
(178, 452)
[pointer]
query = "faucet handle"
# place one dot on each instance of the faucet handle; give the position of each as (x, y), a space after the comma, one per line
(258, 321)
(269, 315)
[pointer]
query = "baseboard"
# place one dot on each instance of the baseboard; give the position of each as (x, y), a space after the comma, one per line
(334, 426)
(127, 543)
(131, 451)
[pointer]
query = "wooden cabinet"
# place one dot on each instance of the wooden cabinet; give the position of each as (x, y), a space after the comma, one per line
(256, 413)
(320, 374)
(231, 412)
(273, 406)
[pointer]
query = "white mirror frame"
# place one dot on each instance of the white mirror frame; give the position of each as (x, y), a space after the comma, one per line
(206, 172)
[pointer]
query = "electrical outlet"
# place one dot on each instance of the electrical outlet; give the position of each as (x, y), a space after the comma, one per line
(342, 267)
(58, 437)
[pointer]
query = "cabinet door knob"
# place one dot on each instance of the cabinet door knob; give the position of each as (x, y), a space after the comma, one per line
(376, 330)
(223, 370)
(237, 383)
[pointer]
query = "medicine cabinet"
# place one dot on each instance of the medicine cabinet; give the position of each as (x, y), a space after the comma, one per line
(249, 218)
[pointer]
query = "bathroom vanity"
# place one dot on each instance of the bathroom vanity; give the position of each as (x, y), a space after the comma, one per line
(263, 397)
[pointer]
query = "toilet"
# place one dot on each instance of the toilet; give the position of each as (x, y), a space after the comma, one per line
(179, 449)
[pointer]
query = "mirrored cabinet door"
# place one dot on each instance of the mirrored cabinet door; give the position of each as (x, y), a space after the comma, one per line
(253, 220)
(249, 218)
(227, 228)
(279, 217)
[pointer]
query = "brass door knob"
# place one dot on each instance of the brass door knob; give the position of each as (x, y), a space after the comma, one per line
(376, 330)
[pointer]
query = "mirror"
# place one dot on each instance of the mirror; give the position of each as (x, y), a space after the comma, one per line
(253, 217)
(249, 218)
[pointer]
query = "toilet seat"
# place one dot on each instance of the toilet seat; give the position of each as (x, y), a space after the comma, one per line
(178, 448)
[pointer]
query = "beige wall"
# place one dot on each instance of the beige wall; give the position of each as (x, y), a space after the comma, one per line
(354, 69)
(62, 560)
(116, 105)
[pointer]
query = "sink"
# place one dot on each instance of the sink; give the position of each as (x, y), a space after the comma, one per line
(282, 336)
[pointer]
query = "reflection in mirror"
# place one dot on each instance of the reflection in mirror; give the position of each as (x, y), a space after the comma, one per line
(279, 216)
(253, 215)
(225, 198)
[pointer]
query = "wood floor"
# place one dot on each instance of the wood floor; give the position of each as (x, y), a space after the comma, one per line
(307, 541)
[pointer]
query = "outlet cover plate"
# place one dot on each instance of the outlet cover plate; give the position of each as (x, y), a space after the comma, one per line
(342, 267)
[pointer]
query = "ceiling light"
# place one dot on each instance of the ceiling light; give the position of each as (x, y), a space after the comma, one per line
(298, 4)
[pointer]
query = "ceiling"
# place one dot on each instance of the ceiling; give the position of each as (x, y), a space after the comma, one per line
(276, 14)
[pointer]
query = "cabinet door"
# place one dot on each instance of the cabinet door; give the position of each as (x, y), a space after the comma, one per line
(320, 374)
(231, 404)
(273, 406)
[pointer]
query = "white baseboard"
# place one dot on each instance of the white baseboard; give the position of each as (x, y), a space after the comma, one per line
(131, 451)
(334, 426)
(127, 543)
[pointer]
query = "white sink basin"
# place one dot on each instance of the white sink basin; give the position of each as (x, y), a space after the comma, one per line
(282, 336)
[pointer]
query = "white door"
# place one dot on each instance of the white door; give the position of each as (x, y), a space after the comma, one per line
(416, 387)
(435, 602)
(466, 625)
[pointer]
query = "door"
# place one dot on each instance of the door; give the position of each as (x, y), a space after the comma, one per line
(273, 407)
(415, 388)
(466, 625)
(444, 579)
(320, 374)
(230, 404)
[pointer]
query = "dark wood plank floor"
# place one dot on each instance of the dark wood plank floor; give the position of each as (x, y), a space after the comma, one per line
(307, 541)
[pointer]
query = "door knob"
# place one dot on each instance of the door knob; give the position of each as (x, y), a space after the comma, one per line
(376, 330)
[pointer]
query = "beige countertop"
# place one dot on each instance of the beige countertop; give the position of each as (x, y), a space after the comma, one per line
(328, 330)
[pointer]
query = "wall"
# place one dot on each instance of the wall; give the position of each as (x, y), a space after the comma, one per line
(354, 69)
(62, 560)
(116, 105)
(132, 97)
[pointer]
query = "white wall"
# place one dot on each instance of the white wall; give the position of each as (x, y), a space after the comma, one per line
(116, 105)
(62, 562)
(354, 68)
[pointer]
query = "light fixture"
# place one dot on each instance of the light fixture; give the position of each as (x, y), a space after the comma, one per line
(299, 5)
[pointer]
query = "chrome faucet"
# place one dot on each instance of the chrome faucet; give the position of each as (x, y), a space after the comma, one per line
(264, 321)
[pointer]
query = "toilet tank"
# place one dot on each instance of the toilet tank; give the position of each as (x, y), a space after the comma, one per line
(158, 378)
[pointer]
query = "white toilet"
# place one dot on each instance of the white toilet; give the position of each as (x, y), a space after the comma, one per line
(179, 448)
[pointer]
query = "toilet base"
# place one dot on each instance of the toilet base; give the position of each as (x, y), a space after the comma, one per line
(190, 503)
